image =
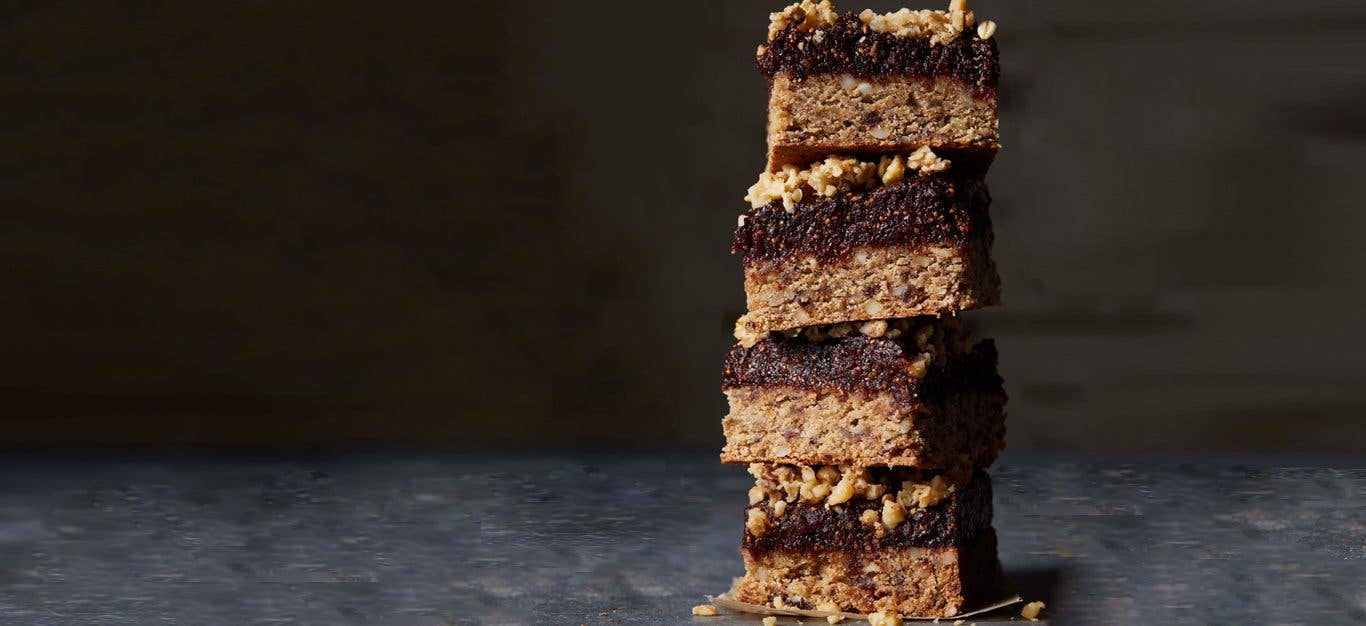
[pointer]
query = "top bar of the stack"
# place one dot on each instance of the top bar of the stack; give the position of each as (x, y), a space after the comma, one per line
(870, 83)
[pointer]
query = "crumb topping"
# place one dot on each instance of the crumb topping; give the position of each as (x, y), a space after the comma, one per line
(1031, 611)
(940, 26)
(756, 522)
(814, 17)
(900, 490)
(804, 16)
(935, 338)
(840, 174)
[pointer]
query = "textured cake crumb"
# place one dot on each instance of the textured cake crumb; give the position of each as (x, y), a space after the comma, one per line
(839, 174)
(1031, 611)
(882, 618)
(812, 117)
(704, 610)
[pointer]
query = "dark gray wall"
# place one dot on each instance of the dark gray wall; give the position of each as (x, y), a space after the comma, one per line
(295, 223)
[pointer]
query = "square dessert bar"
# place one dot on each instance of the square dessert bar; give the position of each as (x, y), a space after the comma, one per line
(868, 539)
(913, 393)
(868, 82)
(914, 241)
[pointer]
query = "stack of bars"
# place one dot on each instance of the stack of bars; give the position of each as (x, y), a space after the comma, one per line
(863, 406)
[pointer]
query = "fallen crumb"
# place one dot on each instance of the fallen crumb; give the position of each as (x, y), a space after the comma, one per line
(1031, 611)
(770, 621)
(834, 619)
(704, 610)
(887, 618)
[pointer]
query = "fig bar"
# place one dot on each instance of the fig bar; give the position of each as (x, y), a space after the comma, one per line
(912, 392)
(846, 239)
(868, 540)
(872, 82)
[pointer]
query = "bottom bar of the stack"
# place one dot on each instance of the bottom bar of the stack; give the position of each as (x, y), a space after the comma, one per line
(868, 540)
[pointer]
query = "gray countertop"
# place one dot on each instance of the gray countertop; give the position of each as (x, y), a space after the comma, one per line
(455, 539)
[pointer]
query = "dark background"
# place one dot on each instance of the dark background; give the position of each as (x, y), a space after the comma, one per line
(261, 224)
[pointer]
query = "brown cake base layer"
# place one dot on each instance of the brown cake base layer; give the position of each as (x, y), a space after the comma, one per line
(925, 399)
(871, 283)
(787, 425)
(922, 582)
(824, 114)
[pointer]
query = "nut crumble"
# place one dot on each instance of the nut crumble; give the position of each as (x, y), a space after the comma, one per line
(940, 26)
(839, 174)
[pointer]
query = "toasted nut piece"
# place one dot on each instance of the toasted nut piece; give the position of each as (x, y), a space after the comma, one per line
(884, 618)
(757, 522)
(892, 514)
(704, 610)
(986, 29)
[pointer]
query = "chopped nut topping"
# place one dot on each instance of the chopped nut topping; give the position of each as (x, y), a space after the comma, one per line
(892, 513)
(922, 495)
(924, 160)
(806, 15)
(986, 29)
(940, 26)
(937, 337)
(869, 517)
(836, 485)
(757, 522)
(875, 328)
(704, 610)
(884, 618)
(839, 174)
(1031, 611)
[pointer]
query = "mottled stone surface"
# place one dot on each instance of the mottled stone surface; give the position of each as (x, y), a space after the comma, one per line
(405, 539)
